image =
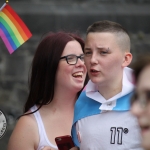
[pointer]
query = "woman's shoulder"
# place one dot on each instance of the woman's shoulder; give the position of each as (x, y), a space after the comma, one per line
(25, 131)
(26, 119)
(27, 124)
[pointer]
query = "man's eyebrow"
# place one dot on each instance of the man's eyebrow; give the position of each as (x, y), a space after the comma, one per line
(98, 48)
(103, 48)
(87, 48)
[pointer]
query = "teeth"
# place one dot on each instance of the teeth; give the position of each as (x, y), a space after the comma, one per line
(78, 74)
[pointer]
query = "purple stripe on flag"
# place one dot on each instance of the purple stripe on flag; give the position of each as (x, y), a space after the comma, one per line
(5, 40)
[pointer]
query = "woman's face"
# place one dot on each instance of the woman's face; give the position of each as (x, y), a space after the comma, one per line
(141, 106)
(71, 77)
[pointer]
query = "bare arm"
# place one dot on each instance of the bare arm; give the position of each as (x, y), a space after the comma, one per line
(75, 148)
(25, 135)
(48, 148)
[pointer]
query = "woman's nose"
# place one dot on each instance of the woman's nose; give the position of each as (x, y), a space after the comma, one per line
(80, 61)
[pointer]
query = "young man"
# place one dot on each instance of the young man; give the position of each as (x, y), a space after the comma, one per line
(102, 118)
(141, 98)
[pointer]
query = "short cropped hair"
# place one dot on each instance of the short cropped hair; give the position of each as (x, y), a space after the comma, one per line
(114, 28)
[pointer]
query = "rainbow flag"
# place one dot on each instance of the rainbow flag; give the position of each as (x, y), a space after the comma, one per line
(13, 31)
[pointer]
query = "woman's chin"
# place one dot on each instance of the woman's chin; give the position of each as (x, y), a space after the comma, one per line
(78, 87)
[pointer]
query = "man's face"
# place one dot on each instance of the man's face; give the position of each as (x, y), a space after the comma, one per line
(141, 106)
(103, 58)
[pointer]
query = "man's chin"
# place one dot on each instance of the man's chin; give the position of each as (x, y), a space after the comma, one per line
(146, 144)
(95, 80)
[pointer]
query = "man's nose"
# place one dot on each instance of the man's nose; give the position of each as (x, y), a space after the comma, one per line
(94, 58)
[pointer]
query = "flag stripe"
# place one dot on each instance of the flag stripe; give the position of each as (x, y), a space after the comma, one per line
(9, 37)
(11, 26)
(13, 30)
(26, 30)
(10, 31)
(5, 40)
(20, 30)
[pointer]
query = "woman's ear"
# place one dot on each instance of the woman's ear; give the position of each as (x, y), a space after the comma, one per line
(127, 59)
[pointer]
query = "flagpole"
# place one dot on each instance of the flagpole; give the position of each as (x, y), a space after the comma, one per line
(7, 1)
(3, 6)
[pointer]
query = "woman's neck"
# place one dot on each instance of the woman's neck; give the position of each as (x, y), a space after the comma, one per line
(63, 100)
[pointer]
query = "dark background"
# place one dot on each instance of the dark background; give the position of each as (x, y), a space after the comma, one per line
(42, 16)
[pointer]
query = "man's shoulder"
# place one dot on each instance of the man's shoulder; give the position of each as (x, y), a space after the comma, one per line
(84, 100)
(123, 103)
(85, 106)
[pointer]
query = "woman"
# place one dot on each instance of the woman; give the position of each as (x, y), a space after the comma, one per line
(57, 78)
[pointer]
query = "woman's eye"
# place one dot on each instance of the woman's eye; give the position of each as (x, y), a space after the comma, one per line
(70, 58)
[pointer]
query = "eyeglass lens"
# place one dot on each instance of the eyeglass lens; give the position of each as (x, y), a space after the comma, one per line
(72, 59)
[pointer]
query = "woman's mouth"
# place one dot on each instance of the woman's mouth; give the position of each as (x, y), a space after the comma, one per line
(78, 74)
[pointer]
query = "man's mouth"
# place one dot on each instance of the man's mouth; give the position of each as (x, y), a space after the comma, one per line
(145, 128)
(93, 70)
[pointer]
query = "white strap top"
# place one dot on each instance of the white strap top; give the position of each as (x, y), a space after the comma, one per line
(44, 141)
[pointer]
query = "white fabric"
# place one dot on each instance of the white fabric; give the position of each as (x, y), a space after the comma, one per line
(109, 130)
(127, 87)
(42, 134)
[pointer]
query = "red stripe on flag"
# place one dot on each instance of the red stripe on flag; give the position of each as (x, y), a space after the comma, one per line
(24, 27)
(16, 24)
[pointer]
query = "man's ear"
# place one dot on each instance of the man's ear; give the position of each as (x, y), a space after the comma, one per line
(127, 59)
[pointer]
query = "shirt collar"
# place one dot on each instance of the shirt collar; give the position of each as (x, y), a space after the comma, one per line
(127, 87)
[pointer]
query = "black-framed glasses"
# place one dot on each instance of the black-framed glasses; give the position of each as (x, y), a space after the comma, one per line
(143, 98)
(72, 59)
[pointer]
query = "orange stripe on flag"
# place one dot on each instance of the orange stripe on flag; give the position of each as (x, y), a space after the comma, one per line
(21, 31)
(17, 18)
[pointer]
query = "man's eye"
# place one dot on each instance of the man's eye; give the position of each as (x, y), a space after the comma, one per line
(148, 95)
(88, 53)
(103, 52)
(134, 98)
